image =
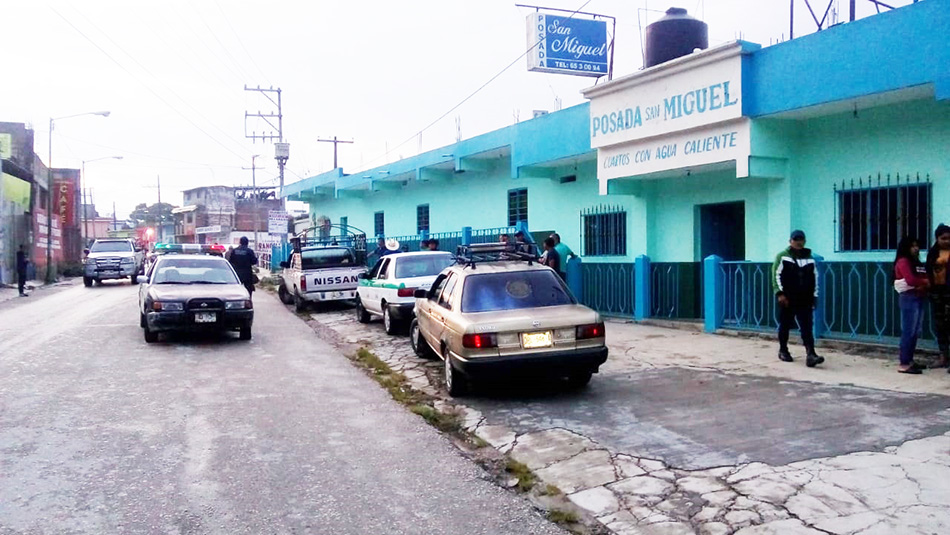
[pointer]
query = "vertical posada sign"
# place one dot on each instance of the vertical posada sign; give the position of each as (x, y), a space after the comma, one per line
(567, 45)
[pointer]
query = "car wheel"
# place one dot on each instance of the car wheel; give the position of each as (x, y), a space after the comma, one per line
(455, 382)
(299, 304)
(362, 315)
(579, 379)
(284, 295)
(87, 282)
(142, 321)
(419, 344)
(245, 333)
(389, 324)
(135, 279)
(150, 336)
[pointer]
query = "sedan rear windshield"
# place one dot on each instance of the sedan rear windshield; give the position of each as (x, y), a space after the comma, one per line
(111, 247)
(422, 265)
(327, 257)
(513, 290)
(193, 271)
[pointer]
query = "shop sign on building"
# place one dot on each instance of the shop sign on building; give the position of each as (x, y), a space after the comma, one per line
(213, 229)
(277, 221)
(65, 198)
(567, 45)
(704, 90)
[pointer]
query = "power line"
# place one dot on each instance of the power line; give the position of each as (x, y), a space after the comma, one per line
(244, 75)
(147, 87)
(466, 99)
(240, 42)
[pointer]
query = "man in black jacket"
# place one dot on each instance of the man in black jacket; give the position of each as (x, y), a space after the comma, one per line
(242, 258)
(21, 263)
(795, 283)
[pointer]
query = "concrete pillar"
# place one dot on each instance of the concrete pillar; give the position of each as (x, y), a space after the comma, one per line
(712, 293)
(641, 290)
(575, 277)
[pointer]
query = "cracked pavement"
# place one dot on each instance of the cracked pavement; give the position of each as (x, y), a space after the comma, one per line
(688, 433)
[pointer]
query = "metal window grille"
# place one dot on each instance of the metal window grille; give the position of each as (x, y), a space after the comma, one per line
(517, 206)
(422, 218)
(379, 224)
(604, 231)
(874, 214)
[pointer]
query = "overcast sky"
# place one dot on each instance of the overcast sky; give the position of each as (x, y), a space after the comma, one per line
(172, 74)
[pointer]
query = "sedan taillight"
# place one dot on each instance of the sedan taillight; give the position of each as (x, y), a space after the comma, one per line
(480, 341)
(303, 283)
(405, 292)
(593, 330)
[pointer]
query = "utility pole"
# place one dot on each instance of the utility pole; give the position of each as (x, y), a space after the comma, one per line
(281, 149)
(335, 142)
(257, 198)
(158, 180)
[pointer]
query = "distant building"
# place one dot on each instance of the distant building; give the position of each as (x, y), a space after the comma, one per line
(222, 214)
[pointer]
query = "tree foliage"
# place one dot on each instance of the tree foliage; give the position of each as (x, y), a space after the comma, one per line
(145, 215)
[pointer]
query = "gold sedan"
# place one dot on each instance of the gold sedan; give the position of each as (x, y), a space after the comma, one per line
(503, 318)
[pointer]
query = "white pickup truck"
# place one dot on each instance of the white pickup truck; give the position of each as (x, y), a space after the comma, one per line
(112, 259)
(319, 273)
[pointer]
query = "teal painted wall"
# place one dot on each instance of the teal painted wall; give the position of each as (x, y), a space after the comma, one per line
(909, 137)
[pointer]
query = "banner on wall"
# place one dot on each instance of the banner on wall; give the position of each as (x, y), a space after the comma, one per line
(15, 190)
(64, 199)
(567, 45)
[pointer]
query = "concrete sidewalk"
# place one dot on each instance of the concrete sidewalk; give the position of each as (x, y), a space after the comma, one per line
(9, 292)
(891, 476)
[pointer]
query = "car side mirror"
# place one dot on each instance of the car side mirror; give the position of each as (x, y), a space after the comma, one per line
(362, 276)
(284, 264)
(143, 279)
(420, 293)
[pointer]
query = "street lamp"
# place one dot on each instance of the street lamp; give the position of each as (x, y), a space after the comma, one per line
(82, 190)
(50, 272)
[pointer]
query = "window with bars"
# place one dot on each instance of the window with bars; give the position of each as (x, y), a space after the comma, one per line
(422, 218)
(604, 231)
(874, 215)
(379, 224)
(517, 206)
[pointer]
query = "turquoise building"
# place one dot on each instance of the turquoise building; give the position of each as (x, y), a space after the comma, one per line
(676, 185)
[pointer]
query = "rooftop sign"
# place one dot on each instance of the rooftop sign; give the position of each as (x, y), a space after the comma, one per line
(567, 45)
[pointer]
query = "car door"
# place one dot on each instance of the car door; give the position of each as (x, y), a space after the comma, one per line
(430, 328)
(448, 328)
(376, 291)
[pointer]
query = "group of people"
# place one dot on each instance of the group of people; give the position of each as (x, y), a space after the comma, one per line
(795, 283)
(555, 255)
(915, 281)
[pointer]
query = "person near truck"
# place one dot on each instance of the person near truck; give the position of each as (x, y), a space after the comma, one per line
(21, 263)
(242, 258)
(564, 252)
(795, 284)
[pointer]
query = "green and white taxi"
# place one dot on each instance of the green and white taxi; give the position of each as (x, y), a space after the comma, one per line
(387, 289)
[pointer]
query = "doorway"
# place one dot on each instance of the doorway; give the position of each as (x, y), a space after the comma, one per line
(722, 230)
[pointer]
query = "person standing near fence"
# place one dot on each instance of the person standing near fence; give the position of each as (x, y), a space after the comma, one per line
(21, 263)
(937, 262)
(795, 283)
(911, 283)
(564, 252)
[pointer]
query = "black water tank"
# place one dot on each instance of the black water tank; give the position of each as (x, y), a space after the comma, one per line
(673, 36)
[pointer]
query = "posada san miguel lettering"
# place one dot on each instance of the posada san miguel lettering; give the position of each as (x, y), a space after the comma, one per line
(696, 101)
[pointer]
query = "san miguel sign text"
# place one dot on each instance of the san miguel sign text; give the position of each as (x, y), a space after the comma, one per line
(567, 45)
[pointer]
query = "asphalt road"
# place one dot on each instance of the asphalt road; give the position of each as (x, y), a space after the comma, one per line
(101, 433)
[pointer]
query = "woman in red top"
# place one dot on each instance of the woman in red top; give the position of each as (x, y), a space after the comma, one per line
(911, 282)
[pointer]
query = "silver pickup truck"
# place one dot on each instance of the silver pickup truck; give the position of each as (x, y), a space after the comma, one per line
(112, 259)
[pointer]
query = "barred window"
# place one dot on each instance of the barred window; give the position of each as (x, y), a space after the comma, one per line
(379, 224)
(874, 215)
(517, 206)
(604, 231)
(422, 218)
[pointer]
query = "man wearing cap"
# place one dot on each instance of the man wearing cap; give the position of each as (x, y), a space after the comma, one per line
(795, 283)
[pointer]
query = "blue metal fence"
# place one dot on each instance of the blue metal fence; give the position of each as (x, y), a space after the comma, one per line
(676, 290)
(609, 287)
(747, 298)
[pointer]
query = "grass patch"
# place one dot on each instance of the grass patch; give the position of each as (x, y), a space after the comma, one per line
(392, 381)
(448, 423)
(479, 442)
(550, 490)
(526, 478)
(559, 516)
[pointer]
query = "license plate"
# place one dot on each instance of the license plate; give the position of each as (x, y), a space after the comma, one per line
(205, 317)
(532, 340)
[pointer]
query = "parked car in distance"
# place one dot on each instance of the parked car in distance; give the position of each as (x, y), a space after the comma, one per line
(112, 259)
(193, 292)
(498, 313)
(387, 290)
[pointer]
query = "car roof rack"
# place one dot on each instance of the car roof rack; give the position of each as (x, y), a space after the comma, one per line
(190, 248)
(330, 235)
(496, 252)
